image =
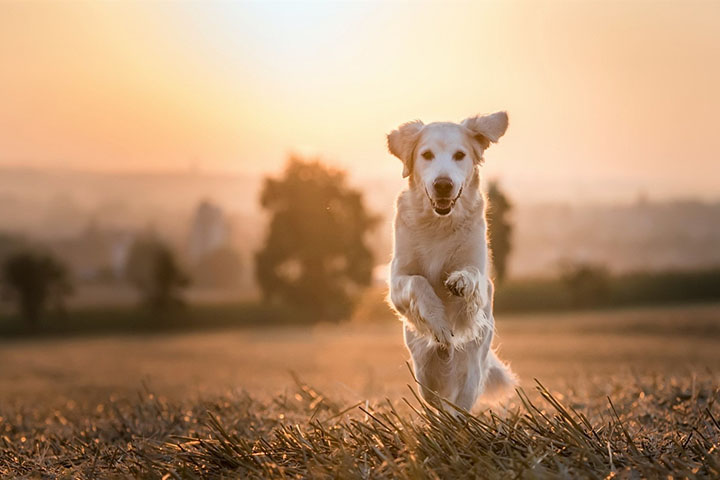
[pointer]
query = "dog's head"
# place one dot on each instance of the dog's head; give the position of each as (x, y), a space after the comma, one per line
(441, 157)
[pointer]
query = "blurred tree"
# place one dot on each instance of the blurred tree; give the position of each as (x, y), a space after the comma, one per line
(587, 284)
(219, 268)
(9, 244)
(500, 229)
(154, 270)
(34, 279)
(315, 255)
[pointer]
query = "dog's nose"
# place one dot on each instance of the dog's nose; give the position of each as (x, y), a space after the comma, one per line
(443, 187)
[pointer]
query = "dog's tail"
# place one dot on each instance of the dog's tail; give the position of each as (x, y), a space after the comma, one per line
(500, 382)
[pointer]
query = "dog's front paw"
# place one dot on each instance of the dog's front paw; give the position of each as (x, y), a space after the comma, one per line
(429, 319)
(470, 286)
(460, 284)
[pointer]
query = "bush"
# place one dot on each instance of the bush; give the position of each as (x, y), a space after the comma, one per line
(154, 270)
(35, 279)
(587, 284)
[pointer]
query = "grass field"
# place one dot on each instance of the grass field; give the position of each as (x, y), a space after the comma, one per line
(631, 393)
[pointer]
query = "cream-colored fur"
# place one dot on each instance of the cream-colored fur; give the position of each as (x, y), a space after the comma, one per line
(439, 281)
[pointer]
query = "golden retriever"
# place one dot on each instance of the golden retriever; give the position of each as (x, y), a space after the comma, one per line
(439, 281)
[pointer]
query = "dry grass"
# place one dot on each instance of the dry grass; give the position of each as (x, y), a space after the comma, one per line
(651, 428)
(621, 401)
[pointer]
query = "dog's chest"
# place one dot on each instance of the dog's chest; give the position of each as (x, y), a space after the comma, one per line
(436, 257)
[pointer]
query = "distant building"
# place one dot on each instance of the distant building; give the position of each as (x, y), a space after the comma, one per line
(210, 230)
(121, 243)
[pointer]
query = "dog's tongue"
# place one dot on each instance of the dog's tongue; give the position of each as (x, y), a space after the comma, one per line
(443, 206)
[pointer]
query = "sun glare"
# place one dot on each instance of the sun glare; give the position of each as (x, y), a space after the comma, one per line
(129, 86)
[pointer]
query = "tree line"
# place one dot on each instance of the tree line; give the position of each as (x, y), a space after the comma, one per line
(315, 258)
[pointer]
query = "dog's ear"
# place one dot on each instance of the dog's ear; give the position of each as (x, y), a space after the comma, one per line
(401, 143)
(487, 129)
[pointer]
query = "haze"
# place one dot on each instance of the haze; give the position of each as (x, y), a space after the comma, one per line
(607, 100)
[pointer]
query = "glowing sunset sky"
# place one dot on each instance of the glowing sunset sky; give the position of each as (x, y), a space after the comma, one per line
(605, 99)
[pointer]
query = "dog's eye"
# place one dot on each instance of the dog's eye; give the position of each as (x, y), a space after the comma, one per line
(428, 155)
(459, 155)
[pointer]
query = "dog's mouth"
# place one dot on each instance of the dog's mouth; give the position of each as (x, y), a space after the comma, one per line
(443, 206)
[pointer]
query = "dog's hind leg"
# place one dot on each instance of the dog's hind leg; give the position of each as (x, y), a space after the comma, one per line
(432, 368)
(470, 377)
(471, 371)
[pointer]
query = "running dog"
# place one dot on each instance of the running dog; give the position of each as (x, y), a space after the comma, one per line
(439, 281)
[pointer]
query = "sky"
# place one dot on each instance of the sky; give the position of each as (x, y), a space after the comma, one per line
(607, 100)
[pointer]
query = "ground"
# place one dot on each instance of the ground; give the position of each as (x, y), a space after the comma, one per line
(209, 403)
